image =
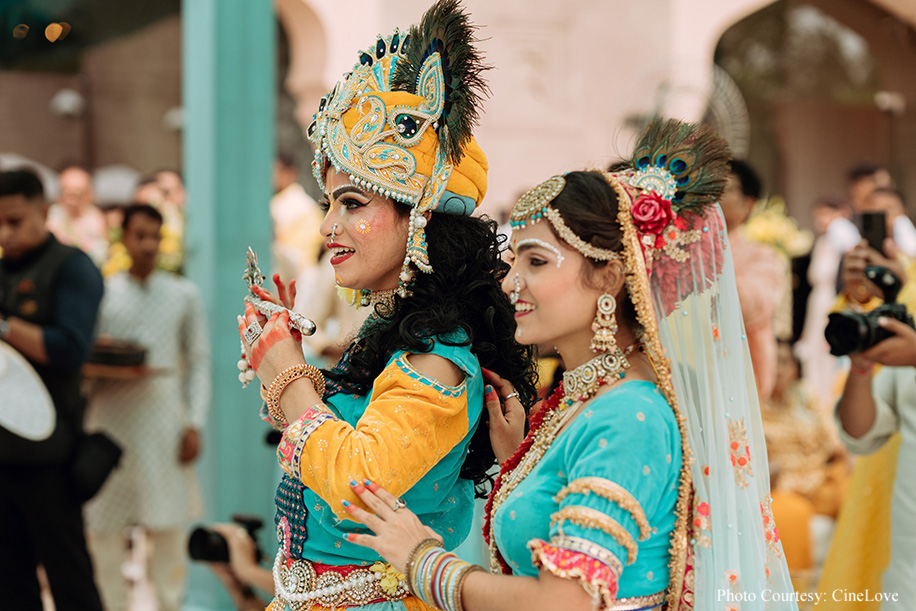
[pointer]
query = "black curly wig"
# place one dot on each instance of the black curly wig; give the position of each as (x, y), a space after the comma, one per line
(463, 293)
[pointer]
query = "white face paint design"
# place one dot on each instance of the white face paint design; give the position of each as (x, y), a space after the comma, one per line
(543, 244)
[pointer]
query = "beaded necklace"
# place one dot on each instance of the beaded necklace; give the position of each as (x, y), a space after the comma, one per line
(582, 383)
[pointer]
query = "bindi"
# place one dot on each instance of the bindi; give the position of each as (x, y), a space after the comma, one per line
(543, 244)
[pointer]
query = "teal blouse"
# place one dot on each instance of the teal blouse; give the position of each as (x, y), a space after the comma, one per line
(625, 445)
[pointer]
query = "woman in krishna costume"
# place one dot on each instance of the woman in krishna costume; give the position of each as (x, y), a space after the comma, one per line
(402, 174)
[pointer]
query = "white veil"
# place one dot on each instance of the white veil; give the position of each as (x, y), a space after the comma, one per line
(726, 552)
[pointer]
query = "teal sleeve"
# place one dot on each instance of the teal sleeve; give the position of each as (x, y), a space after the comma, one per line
(623, 462)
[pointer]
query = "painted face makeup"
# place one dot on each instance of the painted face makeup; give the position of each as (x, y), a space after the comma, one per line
(543, 244)
(366, 234)
(553, 303)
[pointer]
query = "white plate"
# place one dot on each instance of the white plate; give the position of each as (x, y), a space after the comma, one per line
(26, 409)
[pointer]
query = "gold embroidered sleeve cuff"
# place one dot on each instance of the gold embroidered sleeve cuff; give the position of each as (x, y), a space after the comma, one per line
(613, 492)
(586, 517)
(289, 451)
(595, 568)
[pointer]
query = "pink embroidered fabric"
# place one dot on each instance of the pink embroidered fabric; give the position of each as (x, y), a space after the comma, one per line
(594, 567)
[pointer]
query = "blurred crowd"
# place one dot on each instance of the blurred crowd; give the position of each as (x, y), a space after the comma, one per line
(107, 277)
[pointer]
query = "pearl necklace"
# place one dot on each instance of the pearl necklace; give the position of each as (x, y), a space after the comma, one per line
(579, 386)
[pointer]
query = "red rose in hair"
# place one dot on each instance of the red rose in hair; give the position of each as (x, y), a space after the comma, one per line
(651, 213)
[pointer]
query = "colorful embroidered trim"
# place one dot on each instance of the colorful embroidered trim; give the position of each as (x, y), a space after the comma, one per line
(701, 522)
(769, 526)
(613, 492)
(740, 451)
(449, 391)
(595, 568)
(289, 450)
(587, 517)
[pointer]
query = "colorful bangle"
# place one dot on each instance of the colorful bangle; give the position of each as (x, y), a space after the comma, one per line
(283, 380)
(436, 576)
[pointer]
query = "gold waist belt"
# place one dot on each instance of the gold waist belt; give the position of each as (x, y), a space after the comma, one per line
(302, 584)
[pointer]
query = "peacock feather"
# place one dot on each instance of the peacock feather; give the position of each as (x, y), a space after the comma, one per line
(446, 29)
(695, 157)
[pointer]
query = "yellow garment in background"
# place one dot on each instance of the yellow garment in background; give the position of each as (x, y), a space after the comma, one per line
(861, 548)
(793, 513)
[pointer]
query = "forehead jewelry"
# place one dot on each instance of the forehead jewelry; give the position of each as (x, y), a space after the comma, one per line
(514, 295)
(543, 244)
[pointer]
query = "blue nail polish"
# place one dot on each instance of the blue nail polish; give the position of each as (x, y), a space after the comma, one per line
(353, 483)
(367, 482)
(487, 389)
(346, 503)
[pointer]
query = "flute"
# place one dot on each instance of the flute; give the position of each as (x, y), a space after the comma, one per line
(254, 277)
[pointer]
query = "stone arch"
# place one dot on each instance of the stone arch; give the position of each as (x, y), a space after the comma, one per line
(308, 48)
(804, 147)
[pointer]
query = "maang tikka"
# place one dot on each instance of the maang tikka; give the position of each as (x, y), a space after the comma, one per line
(605, 325)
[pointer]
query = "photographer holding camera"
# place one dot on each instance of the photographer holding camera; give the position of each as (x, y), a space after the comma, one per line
(876, 404)
(239, 569)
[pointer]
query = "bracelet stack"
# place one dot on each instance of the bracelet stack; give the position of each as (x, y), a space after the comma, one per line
(283, 380)
(435, 576)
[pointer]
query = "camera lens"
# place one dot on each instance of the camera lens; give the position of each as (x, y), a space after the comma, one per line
(846, 332)
(208, 546)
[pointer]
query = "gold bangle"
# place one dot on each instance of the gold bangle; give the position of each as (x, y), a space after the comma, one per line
(409, 570)
(283, 380)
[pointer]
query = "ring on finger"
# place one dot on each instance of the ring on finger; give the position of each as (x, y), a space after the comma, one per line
(510, 395)
(398, 504)
(253, 332)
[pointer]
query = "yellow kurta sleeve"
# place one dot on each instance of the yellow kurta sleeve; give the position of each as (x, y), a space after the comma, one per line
(410, 424)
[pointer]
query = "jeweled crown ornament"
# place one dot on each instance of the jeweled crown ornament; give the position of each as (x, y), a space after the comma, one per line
(400, 124)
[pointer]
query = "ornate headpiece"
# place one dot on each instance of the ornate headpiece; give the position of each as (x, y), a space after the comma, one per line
(662, 194)
(400, 123)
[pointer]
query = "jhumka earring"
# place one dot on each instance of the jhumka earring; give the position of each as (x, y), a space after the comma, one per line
(605, 325)
(514, 295)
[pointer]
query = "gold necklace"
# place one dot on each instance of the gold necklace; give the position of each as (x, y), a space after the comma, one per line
(586, 379)
(582, 383)
(383, 301)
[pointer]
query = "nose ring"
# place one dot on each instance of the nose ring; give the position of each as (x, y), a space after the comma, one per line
(333, 233)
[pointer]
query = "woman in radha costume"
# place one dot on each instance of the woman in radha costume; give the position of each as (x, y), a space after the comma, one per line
(402, 174)
(642, 483)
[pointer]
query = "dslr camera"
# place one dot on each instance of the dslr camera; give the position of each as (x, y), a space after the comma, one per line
(851, 332)
(210, 546)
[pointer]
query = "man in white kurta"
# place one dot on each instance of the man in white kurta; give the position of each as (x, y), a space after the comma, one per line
(871, 409)
(157, 418)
